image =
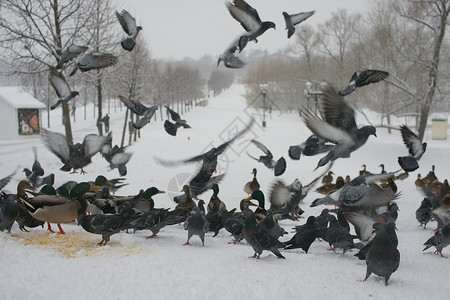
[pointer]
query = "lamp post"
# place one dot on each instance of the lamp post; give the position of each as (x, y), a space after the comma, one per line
(309, 92)
(263, 87)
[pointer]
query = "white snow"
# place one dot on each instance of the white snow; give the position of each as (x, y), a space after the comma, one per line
(40, 265)
(18, 98)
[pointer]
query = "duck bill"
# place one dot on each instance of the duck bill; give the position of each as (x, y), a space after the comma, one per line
(94, 188)
(108, 182)
(248, 199)
(161, 192)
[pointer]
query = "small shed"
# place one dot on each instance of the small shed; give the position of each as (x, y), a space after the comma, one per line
(20, 113)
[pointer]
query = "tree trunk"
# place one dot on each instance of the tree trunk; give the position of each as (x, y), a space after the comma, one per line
(99, 103)
(124, 128)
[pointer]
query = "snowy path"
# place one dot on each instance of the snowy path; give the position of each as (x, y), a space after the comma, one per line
(38, 265)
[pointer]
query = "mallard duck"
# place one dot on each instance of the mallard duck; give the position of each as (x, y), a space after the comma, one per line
(112, 184)
(147, 203)
(419, 181)
(215, 198)
(253, 185)
(260, 211)
(364, 171)
(431, 176)
(58, 209)
(328, 178)
(185, 207)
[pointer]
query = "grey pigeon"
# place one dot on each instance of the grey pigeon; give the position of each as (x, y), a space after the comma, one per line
(117, 158)
(35, 175)
(106, 225)
(229, 59)
(423, 213)
(305, 235)
(382, 258)
(258, 237)
(171, 128)
(312, 146)
(139, 109)
(70, 53)
(156, 219)
(94, 60)
(362, 78)
(196, 224)
(214, 219)
(294, 19)
(415, 148)
(391, 234)
(278, 166)
(74, 156)
(128, 24)
(9, 211)
(248, 17)
(61, 87)
(362, 192)
(440, 240)
(233, 224)
(338, 126)
(24, 219)
(338, 236)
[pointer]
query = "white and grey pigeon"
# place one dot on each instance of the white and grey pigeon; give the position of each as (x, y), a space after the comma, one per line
(415, 148)
(362, 78)
(248, 17)
(117, 158)
(312, 146)
(128, 24)
(337, 126)
(229, 59)
(74, 156)
(139, 109)
(172, 128)
(292, 20)
(278, 166)
(35, 175)
(70, 53)
(94, 60)
(61, 87)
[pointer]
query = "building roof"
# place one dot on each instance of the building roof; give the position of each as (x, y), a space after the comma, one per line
(16, 97)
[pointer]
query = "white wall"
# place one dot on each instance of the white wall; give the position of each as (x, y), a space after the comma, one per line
(8, 122)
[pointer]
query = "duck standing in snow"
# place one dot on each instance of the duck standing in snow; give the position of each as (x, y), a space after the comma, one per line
(253, 185)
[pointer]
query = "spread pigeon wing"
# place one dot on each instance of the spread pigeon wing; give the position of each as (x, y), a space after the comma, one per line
(279, 194)
(57, 143)
(121, 158)
(373, 76)
(336, 112)
(244, 14)
(70, 53)
(127, 22)
(411, 141)
(300, 17)
(93, 143)
(96, 60)
(262, 148)
(174, 115)
(135, 106)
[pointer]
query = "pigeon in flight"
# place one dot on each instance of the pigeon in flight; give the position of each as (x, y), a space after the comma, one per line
(229, 59)
(337, 126)
(140, 110)
(248, 17)
(61, 88)
(94, 60)
(362, 78)
(278, 166)
(312, 146)
(74, 156)
(128, 24)
(117, 158)
(69, 54)
(415, 148)
(171, 128)
(34, 176)
(292, 20)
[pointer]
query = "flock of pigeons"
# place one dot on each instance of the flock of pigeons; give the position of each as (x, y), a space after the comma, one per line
(367, 201)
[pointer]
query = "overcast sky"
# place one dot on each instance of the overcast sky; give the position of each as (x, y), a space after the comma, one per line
(175, 29)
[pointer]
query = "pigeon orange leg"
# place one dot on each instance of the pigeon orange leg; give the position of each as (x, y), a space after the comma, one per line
(49, 228)
(187, 244)
(61, 231)
(151, 236)
(83, 172)
(102, 243)
(74, 172)
(24, 229)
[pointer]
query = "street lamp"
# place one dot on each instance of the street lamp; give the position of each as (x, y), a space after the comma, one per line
(309, 92)
(263, 87)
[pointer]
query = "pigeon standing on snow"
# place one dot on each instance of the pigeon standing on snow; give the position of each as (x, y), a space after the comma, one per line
(106, 225)
(74, 156)
(70, 53)
(61, 88)
(415, 148)
(312, 146)
(292, 20)
(196, 224)
(305, 235)
(338, 236)
(233, 224)
(171, 128)
(128, 24)
(338, 126)
(423, 213)
(9, 211)
(248, 17)
(440, 240)
(229, 59)
(362, 78)
(278, 166)
(382, 258)
(139, 109)
(34, 176)
(94, 60)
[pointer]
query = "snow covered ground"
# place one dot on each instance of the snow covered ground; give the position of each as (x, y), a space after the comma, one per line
(40, 265)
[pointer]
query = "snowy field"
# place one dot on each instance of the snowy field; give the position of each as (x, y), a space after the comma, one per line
(40, 265)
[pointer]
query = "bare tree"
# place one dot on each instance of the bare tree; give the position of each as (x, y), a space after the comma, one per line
(33, 34)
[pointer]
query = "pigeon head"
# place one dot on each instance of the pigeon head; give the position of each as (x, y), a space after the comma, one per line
(269, 24)
(27, 172)
(78, 150)
(138, 28)
(74, 94)
(368, 130)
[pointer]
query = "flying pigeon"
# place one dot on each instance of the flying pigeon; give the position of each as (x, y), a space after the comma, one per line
(140, 110)
(34, 176)
(74, 156)
(248, 17)
(338, 126)
(61, 87)
(117, 158)
(415, 148)
(278, 166)
(94, 60)
(128, 24)
(4, 181)
(292, 20)
(312, 146)
(362, 78)
(171, 128)
(382, 258)
(70, 53)
(229, 59)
